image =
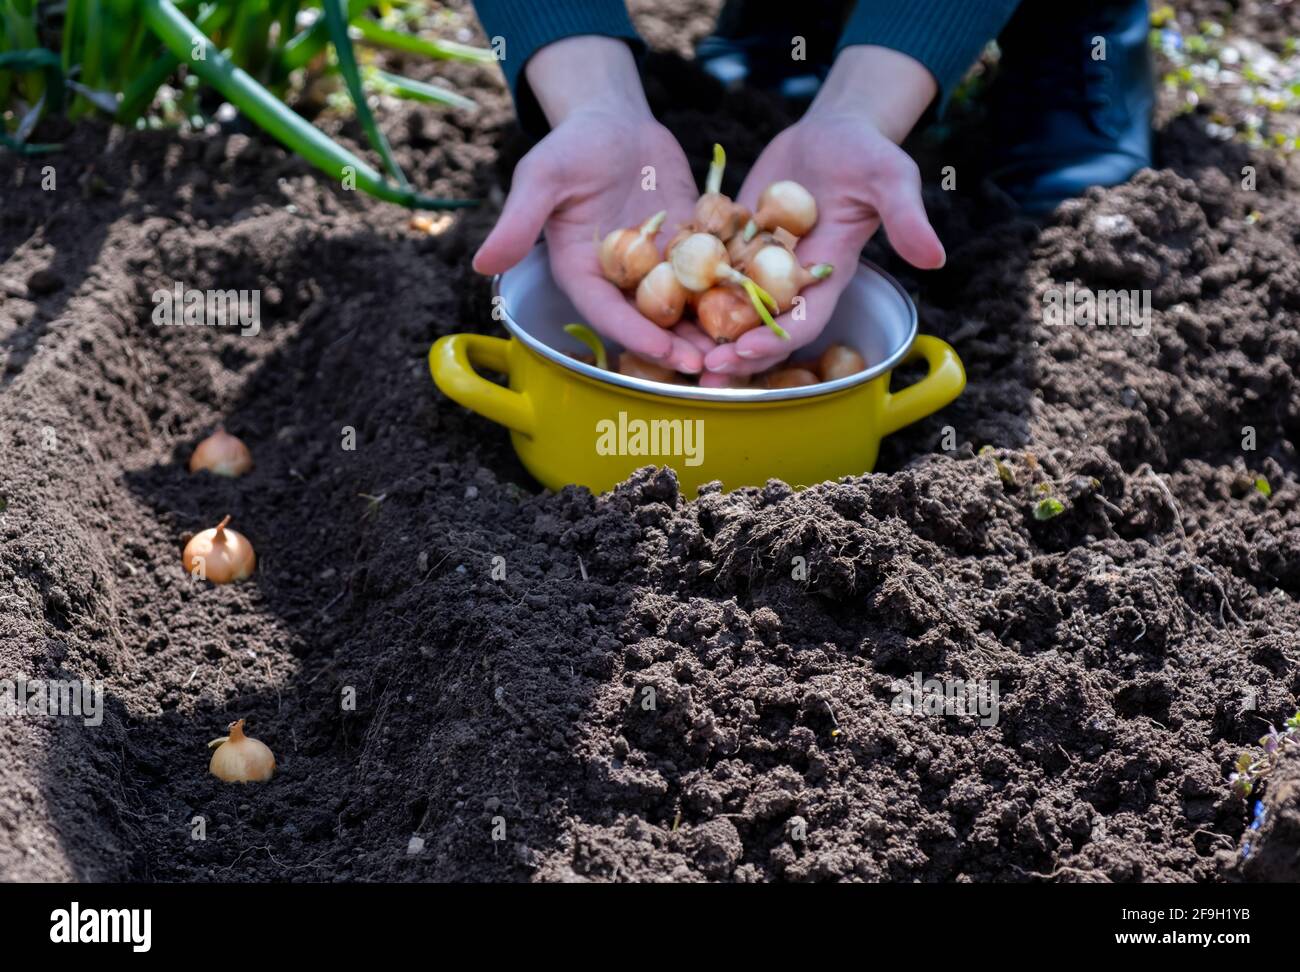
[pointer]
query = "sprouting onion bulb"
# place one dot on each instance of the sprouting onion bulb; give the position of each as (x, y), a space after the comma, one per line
(717, 214)
(241, 759)
(627, 255)
(220, 555)
(714, 212)
(785, 204)
(791, 378)
(222, 454)
(725, 313)
(592, 340)
(700, 262)
(660, 296)
(637, 367)
(777, 270)
(839, 361)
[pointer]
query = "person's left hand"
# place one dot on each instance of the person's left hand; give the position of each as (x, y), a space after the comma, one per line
(860, 180)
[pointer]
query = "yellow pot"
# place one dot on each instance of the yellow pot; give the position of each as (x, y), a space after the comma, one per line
(574, 423)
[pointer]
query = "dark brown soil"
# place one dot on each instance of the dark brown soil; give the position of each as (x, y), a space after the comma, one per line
(1140, 640)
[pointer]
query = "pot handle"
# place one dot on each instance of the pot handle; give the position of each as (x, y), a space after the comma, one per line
(452, 360)
(945, 382)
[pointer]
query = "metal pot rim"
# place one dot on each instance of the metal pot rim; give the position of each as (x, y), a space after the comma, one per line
(721, 395)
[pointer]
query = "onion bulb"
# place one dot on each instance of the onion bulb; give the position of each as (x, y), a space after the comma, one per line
(627, 255)
(785, 204)
(681, 234)
(718, 215)
(220, 555)
(791, 378)
(222, 454)
(241, 759)
(700, 261)
(714, 212)
(740, 250)
(785, 238)
(839, 361)
(725, 313)
(660, 296)
(735, 381)
(776, 270)
(636, 367)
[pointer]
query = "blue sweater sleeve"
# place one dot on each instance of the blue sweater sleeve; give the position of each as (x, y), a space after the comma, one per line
(520, 28)
(944, 35)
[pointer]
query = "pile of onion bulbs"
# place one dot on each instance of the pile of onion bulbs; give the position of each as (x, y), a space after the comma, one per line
(836, 362)
(729, 268)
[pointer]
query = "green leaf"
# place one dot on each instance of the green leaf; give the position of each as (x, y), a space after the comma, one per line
(27, 124)
(336, 21)
(1162, 15)
(1004, 471)
(373, 33)
(414, 90)
(759, 298)
(267, 112)
(28, 148)
(144, 84)
(1262, 485)
(45, 61)
(592, 340)
(306, 45)
(105, 101)
(1048, 508)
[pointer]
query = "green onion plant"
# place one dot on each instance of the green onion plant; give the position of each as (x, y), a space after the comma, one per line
(128, 58)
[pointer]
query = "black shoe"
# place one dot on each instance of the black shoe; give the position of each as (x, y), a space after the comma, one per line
(1064, 121)
(753, 44)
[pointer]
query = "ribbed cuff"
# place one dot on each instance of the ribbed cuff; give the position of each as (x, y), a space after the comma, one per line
(946, 36)
(526, 26)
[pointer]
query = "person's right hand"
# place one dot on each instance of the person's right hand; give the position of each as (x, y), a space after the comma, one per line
(587, 177)
(845, 151)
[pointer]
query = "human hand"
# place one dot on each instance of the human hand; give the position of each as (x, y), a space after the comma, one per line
(585, 179)
(844, 152)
